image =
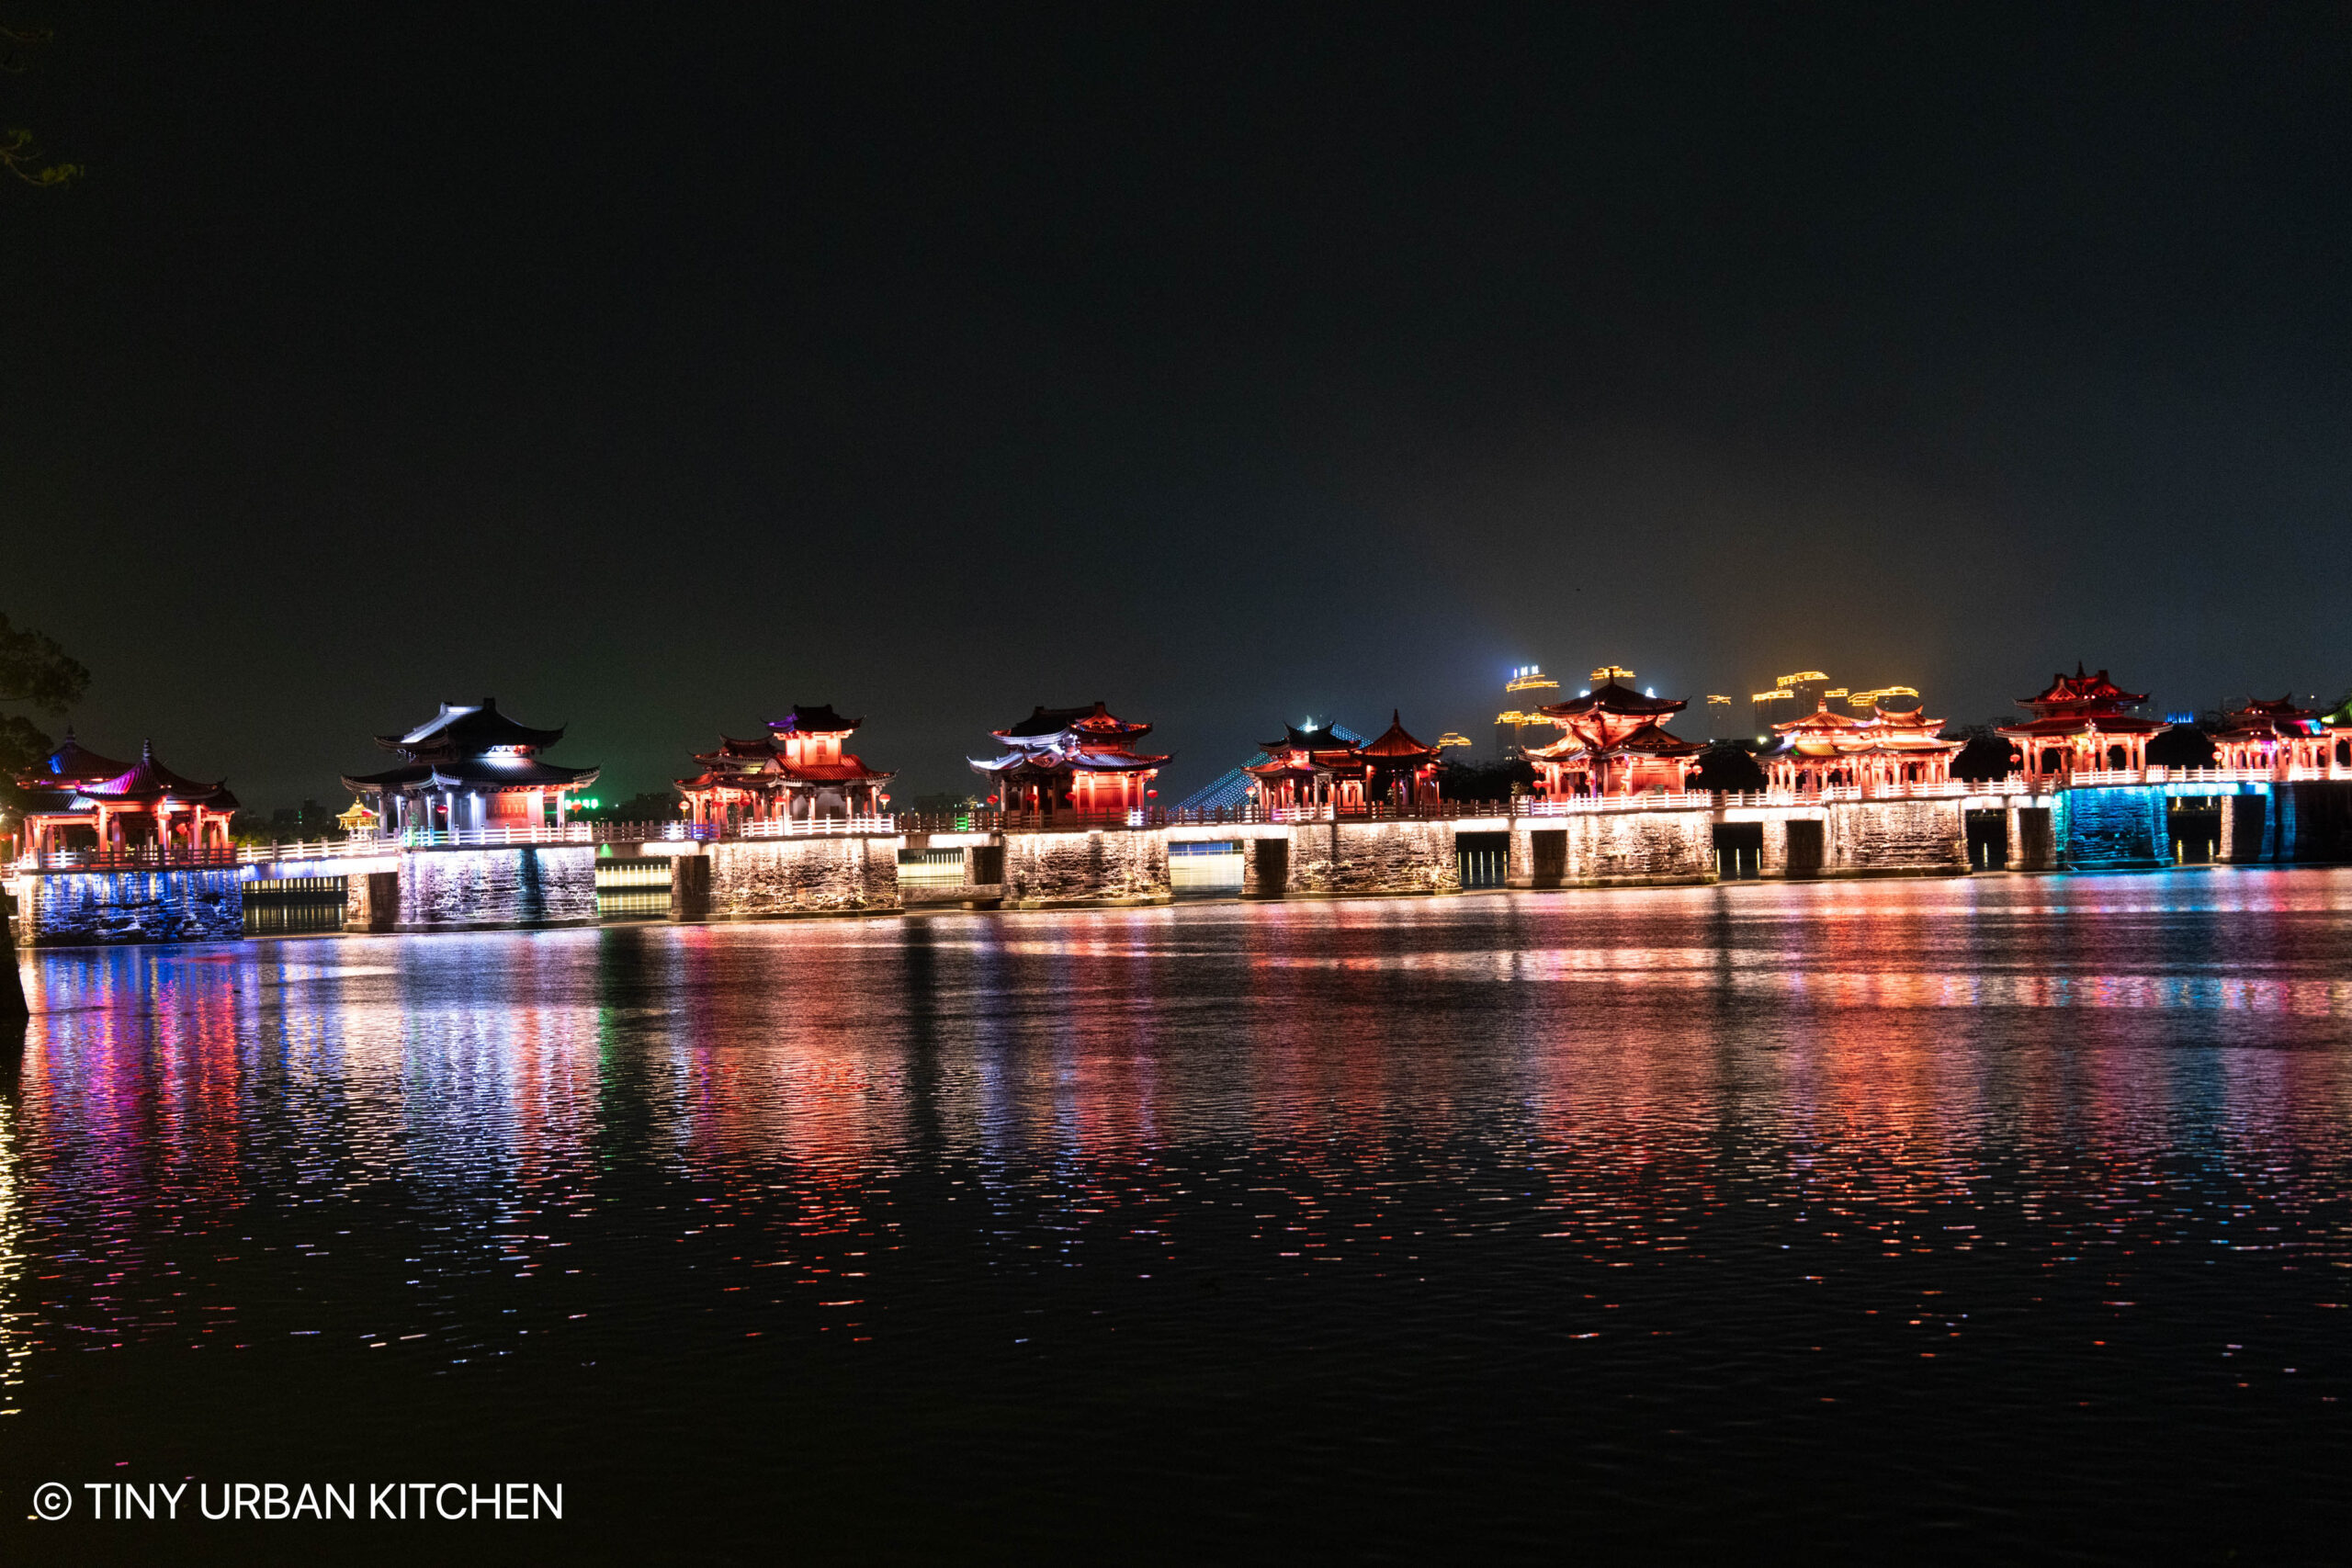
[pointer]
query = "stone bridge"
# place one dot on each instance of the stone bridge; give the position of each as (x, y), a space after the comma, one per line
(882, 866)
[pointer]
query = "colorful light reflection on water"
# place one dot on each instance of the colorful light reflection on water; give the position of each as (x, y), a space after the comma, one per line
(2001, 1213)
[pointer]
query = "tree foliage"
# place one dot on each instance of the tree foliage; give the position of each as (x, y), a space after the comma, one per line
(19, 155)
(2181, 746)
(1987, 756)
(1485, 781)
(35, 672)
(1727, 769)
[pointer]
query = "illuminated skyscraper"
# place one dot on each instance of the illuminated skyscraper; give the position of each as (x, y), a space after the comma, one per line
(1526, 691)
(1805, 689)
(1791, 696)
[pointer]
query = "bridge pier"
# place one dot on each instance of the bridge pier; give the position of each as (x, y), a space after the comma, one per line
(506, 887)
(1111, 866)
(371, 901)
(100, 908)
(690, 887)
(755, 879)
(2033, 838)
(2245, 826)
(1904, 837)
(1344, 859)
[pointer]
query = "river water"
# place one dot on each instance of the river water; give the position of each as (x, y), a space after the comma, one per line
(2001, 1216)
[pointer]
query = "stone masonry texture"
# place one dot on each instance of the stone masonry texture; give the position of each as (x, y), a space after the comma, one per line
(491, 890)
(753, 879)
(1375, 857)
(86, 908)
(1059, 867)
(1640, 846)
(1865, 836)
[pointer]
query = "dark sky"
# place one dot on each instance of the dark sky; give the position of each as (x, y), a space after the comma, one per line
(655, 368)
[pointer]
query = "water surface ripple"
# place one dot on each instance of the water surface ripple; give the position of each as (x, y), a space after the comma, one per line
(2002, 1215)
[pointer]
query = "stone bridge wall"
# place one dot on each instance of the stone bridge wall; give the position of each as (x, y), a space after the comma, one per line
(763, 878)
(84, 908)
(1880, 838)
(1618, 849)
(2113, 828)
(1117, 866)
(1372, 857)
(497, 890)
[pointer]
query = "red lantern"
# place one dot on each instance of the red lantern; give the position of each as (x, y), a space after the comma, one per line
(1151, 794)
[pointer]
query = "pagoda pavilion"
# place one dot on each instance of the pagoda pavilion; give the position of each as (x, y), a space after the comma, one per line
(799, 771)
(2273, 736)
(1879, 755)
(469, 769)
(1309, 767)
(78, 800)
(2081, 723)
(1616, 744)
(1321, 769)
(1076, 760)
(1404, 772)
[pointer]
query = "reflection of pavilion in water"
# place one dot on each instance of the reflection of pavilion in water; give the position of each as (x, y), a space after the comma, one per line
(1335, 1087)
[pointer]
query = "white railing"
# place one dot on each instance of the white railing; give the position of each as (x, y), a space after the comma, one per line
(137, 857)
(2108, 778)
(1700, 800)
(359, 846)
(812, 827)
(367, 845)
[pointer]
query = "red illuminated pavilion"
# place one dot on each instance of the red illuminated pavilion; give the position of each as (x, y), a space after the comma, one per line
(78, 800)
(2273, 736)
(1616, 744)
(1307, 768)
(1071, 759)
(1890, 749)
(800, 771)
(1316, 768)
(1404, 772)
(2081, 723)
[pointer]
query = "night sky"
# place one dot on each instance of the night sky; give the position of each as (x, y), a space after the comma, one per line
(655, 368)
